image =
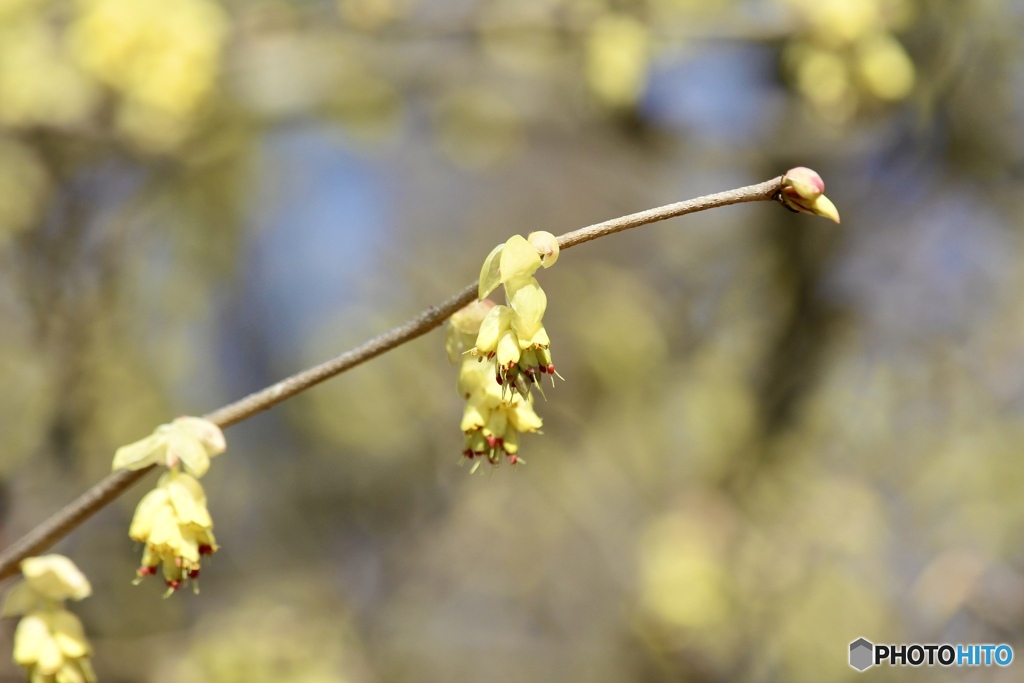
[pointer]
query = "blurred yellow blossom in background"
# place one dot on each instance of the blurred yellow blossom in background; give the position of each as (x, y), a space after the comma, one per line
(847, 55)
(161, 55)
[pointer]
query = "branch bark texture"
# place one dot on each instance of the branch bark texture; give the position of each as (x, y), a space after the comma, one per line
(70, 516)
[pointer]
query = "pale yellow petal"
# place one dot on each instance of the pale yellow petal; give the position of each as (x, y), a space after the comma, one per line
(511, 442)
(188, 508)
(50, 659)
(69, 634)
(518, 259)
(146, 513)
(523, 418)
(468, 318)
(489, 277)
(165, 536)
(497, 423)
(495, 324)
(32, 634)
(142, 453)
(508, 349)
(474, 416)
(206, 432)
(539, 338)
(453, 344)
(473, 375)
(21, 599)
(70, 673)
(529, 302)
(185, 448)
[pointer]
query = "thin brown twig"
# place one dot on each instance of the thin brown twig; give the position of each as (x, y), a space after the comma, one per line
(70, 516)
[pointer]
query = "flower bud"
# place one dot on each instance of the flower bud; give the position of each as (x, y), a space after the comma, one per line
(802, 191)
(804, 182)
(55, 577)
(546, 245)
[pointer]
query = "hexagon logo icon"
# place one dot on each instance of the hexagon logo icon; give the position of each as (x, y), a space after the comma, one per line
(861, 654)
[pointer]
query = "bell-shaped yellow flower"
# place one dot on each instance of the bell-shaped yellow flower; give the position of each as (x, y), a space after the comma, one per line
(176, 528)
(51, 644)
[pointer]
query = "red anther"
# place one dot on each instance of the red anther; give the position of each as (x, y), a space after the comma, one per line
(468, 453)
(513, 459)
(173, 584)
(206, 549)
(497, 378)
(542, 368)
(492, 354)
(491, 440)
(551, 369)
(146, 571)
(193, 573)
(500, 443)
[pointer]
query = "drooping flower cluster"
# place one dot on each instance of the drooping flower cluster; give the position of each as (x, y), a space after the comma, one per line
(172, 520)
(50, 641)
(502, 350)
(176, 528)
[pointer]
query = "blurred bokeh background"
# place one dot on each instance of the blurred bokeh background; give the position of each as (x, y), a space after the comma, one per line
(775, 435)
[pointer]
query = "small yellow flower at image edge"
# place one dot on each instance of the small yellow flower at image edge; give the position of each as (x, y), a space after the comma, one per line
(49, 641)
(172, 520)
(501, 350)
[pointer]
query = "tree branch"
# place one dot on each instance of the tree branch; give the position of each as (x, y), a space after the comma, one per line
(65, 520)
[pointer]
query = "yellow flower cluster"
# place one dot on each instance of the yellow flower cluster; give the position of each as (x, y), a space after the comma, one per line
(50, 641)
(172, 520)
(159, 58)
(163, 57)
(512, 340)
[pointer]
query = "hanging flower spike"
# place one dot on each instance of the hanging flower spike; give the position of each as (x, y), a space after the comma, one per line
(803, 191)
(172, 520)
(187, 441)
(512, 340)
(176, 528)
(49, 641)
